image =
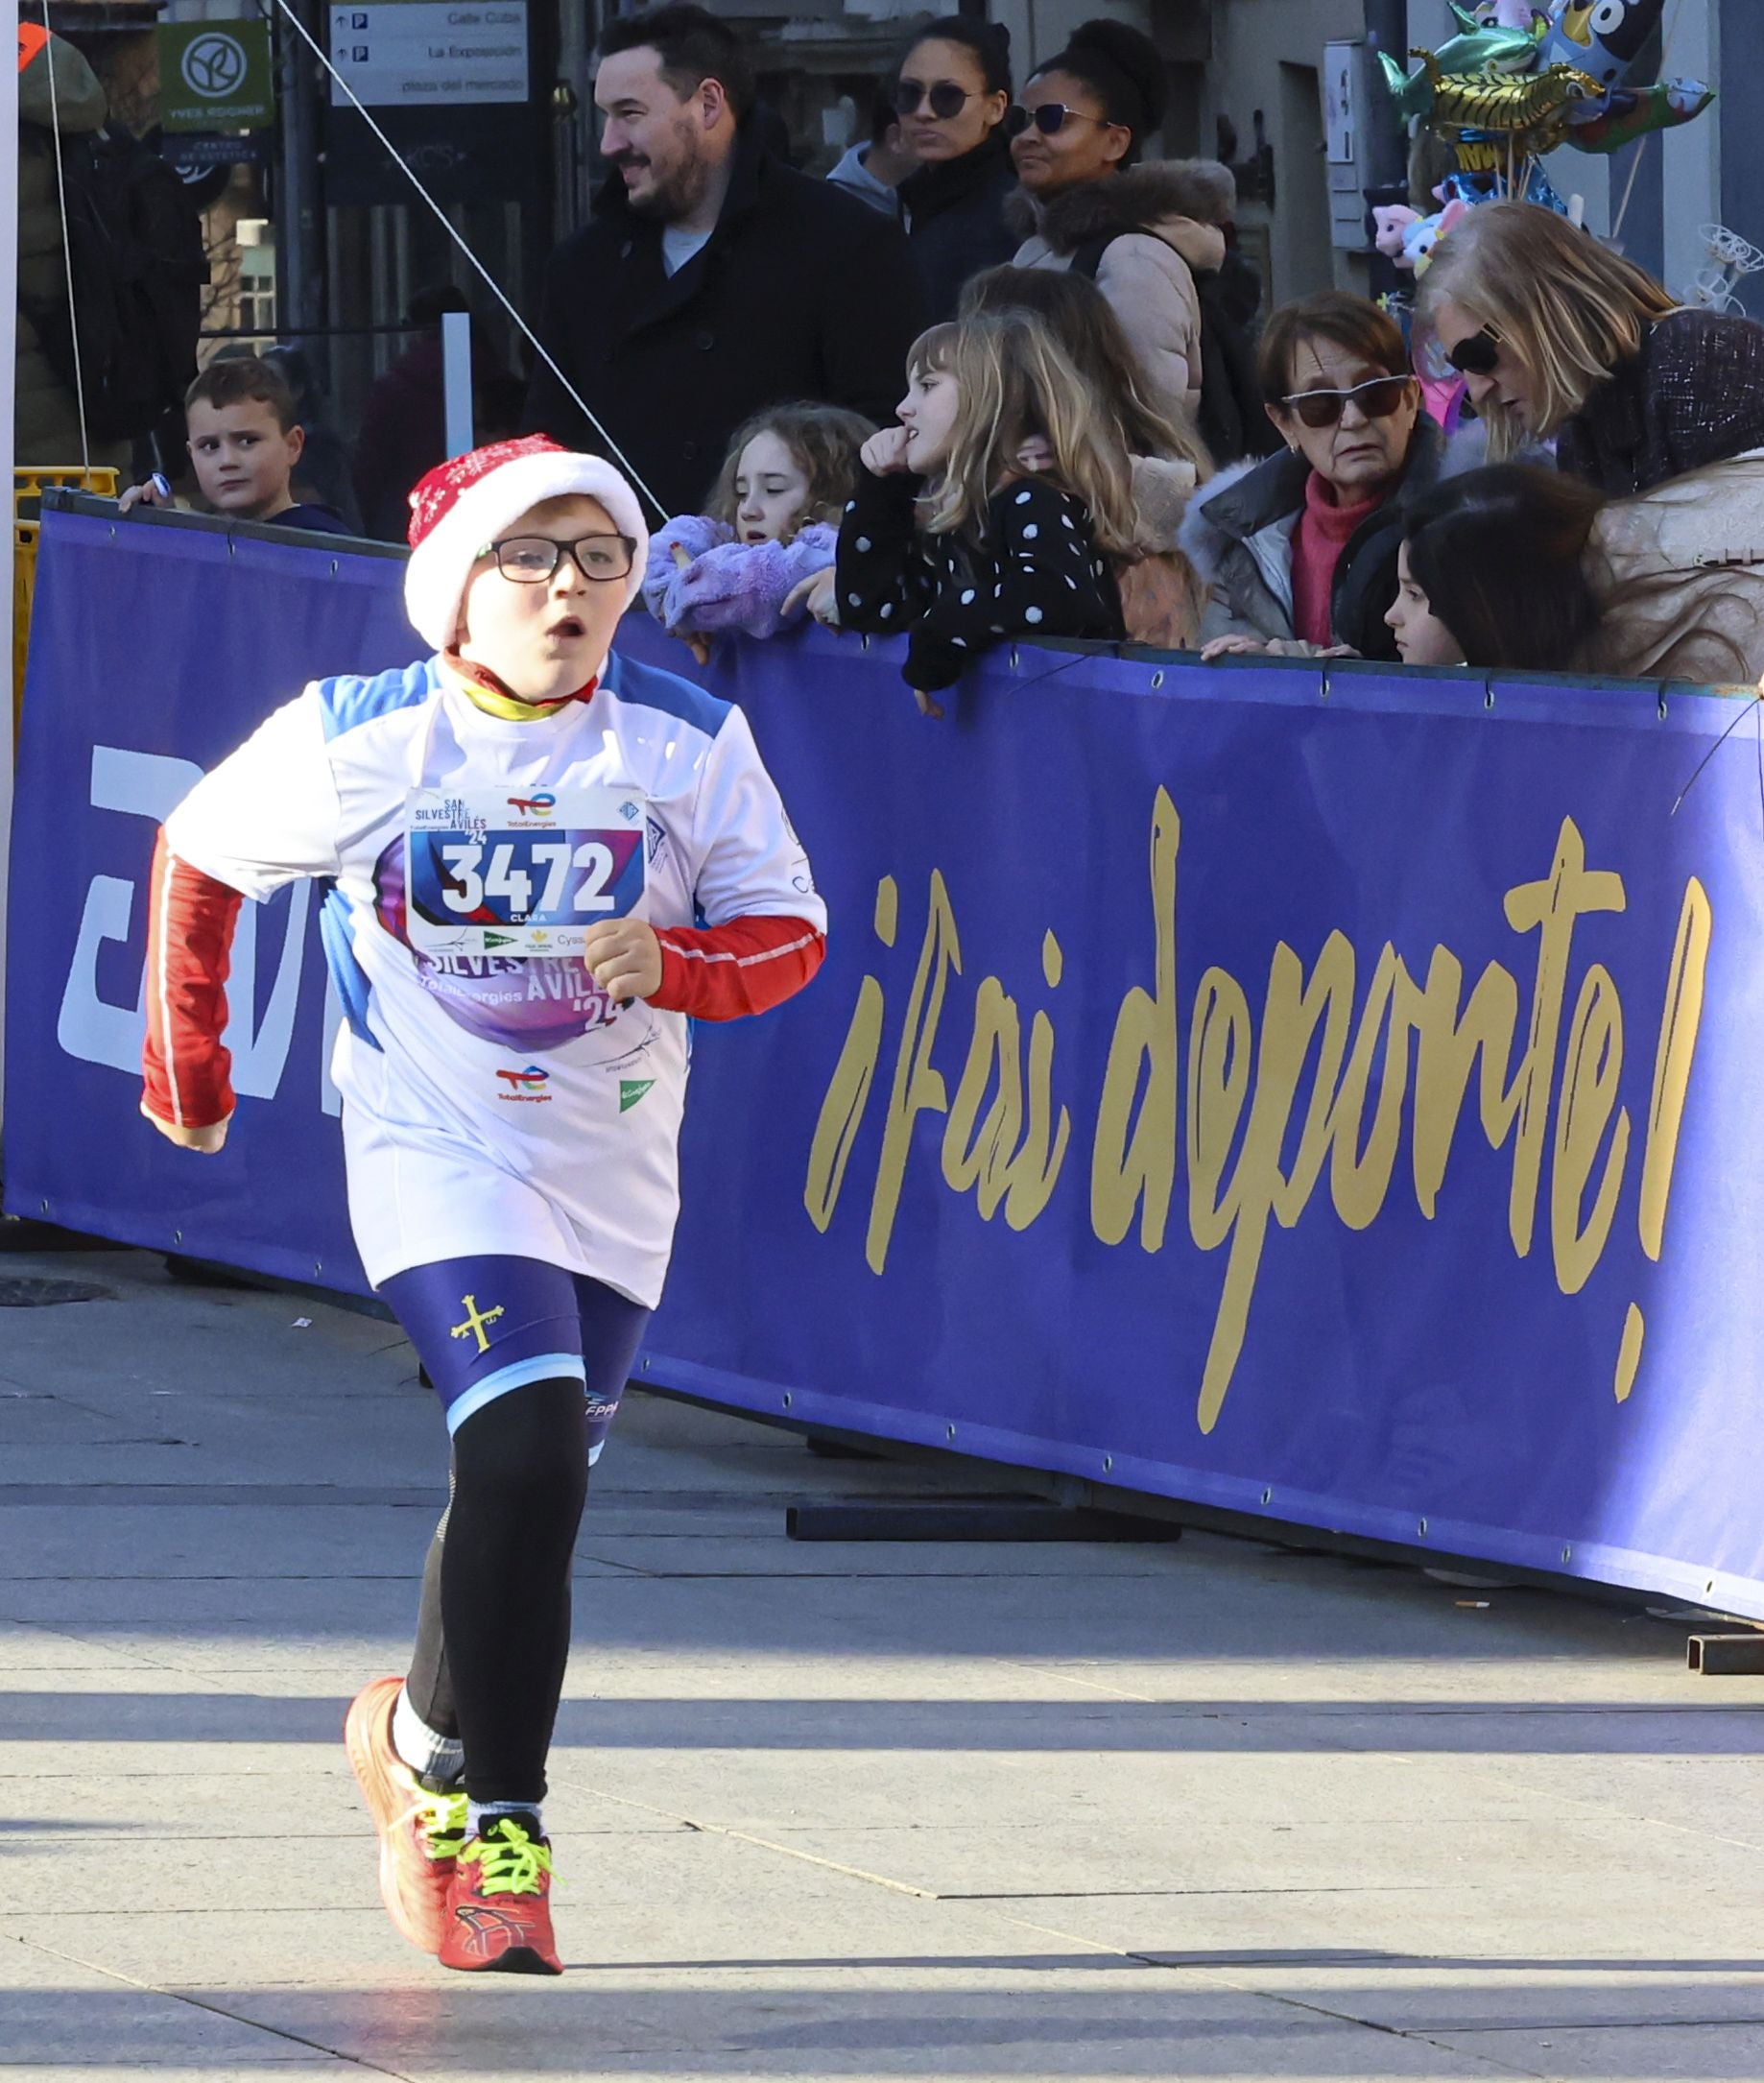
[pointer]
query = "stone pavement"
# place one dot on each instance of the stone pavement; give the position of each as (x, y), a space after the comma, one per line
(1210, 1810)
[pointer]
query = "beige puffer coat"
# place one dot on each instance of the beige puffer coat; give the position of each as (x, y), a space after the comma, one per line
(46, 417)
(1148, 269)
(1686, 566)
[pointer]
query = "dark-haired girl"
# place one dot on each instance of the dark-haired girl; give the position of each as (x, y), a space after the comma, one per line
(1515, 568)
(951, 96)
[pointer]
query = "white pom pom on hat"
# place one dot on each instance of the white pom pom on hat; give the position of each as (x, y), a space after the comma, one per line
(466, 502)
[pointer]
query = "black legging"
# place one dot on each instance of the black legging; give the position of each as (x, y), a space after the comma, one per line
(494, 1636)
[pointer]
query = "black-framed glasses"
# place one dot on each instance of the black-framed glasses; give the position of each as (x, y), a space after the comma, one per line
(533, 560)
(1477, 353)
(946, 99)
(1050, 119)
(1378, 400)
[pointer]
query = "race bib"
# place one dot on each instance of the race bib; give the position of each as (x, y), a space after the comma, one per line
(492, 874)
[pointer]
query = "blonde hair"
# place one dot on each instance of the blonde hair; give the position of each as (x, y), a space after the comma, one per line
(1569, 308)
(823, 439)
(1015, 380)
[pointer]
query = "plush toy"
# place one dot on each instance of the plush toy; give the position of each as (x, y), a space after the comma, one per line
(1391, 223)
(1425, 233)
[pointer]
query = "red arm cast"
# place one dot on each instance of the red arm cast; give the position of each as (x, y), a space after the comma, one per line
(189, 943)
(747, 965)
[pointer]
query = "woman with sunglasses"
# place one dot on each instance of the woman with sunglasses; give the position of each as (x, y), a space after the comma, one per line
(542, 861)
(1300, 550)
(1560, 338)
(1142, 232)
(951, 95)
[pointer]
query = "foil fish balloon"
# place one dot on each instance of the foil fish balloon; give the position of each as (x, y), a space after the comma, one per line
(1537, 107)
(1633, 112)
(1486, 46)
(1480, 49)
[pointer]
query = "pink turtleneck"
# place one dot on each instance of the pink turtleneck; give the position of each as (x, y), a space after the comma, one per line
(1317, 541)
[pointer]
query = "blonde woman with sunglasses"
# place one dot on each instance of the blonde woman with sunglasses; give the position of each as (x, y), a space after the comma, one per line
(1560, 338)
(1300, 551)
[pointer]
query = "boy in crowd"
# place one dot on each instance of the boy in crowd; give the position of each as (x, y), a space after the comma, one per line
(244, 441)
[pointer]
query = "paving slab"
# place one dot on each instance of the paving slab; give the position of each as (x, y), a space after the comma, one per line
(1211, 1809)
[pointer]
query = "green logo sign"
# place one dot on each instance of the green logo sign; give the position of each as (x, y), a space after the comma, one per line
(215, 76)
(630, 1091)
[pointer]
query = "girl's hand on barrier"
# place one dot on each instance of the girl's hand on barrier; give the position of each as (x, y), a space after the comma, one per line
(929, 703)
(885, 452)
(819, 594)
(1272, 647)
(1234, 647)
(205, 1140)
(624, 958)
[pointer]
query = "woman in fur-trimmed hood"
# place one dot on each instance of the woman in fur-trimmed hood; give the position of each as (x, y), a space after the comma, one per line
(1141, 232)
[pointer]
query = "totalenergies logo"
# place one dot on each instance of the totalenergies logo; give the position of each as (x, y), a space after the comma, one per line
(529, 1084)
(539, 806)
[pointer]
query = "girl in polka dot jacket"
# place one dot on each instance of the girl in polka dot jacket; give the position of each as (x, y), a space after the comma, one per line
(949, 540)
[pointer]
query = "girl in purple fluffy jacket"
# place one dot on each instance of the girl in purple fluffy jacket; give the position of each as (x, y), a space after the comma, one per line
(774, 523)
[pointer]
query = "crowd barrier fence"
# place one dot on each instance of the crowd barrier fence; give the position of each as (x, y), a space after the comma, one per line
(1322, 1093)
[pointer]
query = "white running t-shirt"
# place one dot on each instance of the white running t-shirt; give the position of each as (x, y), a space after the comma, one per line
(494, 1104)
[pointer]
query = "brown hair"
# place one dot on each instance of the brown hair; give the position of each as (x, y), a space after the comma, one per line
(1083, 321)
(240, 378)
(823, 439)
(1350, 322)
(1016, 379)
(1569, 308)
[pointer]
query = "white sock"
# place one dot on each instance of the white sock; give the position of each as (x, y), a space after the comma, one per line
(435, 1757)
(480, 1812)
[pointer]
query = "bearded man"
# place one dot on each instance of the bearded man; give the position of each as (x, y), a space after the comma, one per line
(712, 279)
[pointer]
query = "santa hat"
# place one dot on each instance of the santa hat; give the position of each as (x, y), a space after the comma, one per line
(466, 503)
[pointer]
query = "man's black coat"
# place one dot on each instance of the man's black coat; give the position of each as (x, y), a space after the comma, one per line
(801, 293)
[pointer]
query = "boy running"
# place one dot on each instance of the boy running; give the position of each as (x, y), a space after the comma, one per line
(517, 834)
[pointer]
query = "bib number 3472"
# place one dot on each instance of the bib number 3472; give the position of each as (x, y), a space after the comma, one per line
(488, 873)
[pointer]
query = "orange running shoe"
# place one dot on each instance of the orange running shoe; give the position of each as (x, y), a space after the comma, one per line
(421, 1830)
(499, 1904)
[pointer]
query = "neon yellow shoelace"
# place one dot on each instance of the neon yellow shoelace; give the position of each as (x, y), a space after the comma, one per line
(442, 1820)
(510, 1862)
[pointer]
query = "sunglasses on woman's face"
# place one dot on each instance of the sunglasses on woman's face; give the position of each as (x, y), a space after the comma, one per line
(1050, 119)
(1378, 400)
(1477, 353)
(946, 99)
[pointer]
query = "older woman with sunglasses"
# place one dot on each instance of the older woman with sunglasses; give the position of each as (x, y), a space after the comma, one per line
(1142, 232)
(1300, 550)
(1560, 338)
(951, 96)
